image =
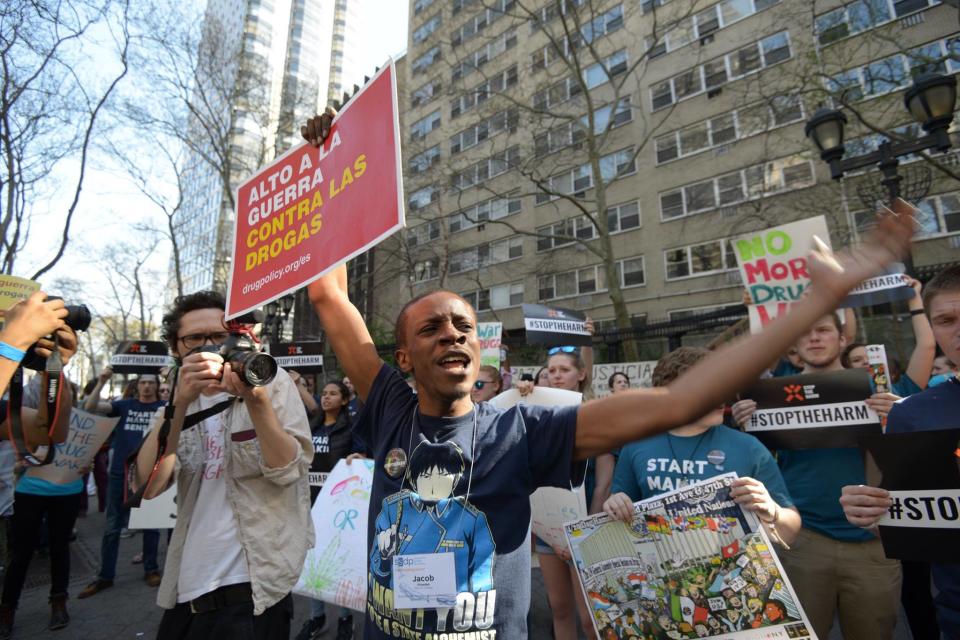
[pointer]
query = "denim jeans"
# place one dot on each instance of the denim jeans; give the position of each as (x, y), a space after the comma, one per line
(117, 519)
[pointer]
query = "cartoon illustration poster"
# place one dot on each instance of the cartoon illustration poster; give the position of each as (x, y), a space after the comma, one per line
(335, 570)
(692, 564)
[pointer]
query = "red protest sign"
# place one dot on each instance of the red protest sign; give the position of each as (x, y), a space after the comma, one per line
(312, 209)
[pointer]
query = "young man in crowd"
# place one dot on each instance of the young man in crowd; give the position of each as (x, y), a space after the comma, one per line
(353, 407)
(834, 567)
(936, 408)
(453, 479)
(697, 451)
(136, 415)
(243, 500)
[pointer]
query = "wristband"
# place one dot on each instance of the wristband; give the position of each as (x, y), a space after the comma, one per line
(916, 312)
(11, 353)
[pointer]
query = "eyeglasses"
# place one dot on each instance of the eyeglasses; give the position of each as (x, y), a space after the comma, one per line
(194, 340)
(480, 384)
(555, 350)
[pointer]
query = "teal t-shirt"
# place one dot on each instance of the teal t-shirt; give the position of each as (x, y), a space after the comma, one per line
(665, 462)
(41, 487)
(816, 478)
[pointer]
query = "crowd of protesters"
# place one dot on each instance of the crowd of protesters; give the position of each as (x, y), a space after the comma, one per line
(453, 474)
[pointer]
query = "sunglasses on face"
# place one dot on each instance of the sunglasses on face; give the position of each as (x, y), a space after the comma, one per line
(555, 350)
(480, 384)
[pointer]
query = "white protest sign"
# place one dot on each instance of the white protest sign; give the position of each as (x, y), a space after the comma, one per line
(640, 374)
(87, 434)
(550, 507)
(773, 266)
(489, 334)
(157, 513)
(335, 569)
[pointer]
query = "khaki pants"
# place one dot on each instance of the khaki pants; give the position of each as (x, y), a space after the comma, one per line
(854, 578)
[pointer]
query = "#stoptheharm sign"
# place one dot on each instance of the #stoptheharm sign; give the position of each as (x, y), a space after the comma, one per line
(313, 209)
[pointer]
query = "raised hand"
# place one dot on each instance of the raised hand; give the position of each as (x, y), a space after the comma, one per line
(317, 128)
(834, 275)
(31, 319)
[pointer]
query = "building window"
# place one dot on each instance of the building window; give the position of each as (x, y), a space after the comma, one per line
(862, 15)
(612, 166)
(425, 270)
(702, 259)
(423, 161)
(728, 127)
(425, 61)
(477, 24)
(495, 165)
(631, 272)
(895, 72)
(420, 5)
(423, 234)
(572, 283)
(482, 92)
(423, 198)
(623, 217)
(423, 31)
(425, 93)
(757, 181)
(486, 254)
(497, 123)
(704, 23)
(497, 297)
(492, 209)
(422, 127)
(484, 54)
(747, 60)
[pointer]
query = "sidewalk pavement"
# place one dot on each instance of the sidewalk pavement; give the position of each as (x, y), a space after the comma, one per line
(129, 611)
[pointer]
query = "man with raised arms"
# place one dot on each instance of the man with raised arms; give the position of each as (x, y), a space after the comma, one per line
(433, 594)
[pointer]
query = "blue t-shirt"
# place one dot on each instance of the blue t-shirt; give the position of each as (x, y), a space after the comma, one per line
(905, 387)
(936, 408)
(785, 368)
(512, 453)
(135, 420)
(666, 462)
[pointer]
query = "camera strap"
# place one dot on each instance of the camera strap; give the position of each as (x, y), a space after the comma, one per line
(48, 412)
(132, 493)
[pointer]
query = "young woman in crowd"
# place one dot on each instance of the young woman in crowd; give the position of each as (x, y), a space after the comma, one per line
(569, 368)
(489, 384)
(332, 440)
(618, 382)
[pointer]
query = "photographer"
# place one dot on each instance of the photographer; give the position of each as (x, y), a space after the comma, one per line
(243, 520)
(136, 414)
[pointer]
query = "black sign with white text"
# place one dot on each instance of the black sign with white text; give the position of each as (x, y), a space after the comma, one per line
(302, 357)
(883, 289)
(922, 473)
(140, 356)
(813, 411)
(555, 327)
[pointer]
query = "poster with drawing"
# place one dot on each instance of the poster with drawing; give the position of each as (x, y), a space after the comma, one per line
(691, 564)
(335, 570)
(551, 508)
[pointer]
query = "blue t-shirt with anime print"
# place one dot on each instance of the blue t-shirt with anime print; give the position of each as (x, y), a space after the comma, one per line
(464, 489)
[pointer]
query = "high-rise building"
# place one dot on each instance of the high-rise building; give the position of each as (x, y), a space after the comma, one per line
(697, 112)
(264, 66)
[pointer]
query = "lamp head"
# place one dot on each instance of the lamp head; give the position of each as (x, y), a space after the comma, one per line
(272, 308)
(287, 303)
(825, 130)
(931, 101)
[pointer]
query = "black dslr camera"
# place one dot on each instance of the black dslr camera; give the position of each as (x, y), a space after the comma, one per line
(78, 318)
(255, 368)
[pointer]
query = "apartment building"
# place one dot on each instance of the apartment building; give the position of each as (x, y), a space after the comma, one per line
(599, 154)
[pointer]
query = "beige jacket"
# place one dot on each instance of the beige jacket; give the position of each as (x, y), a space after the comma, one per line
(272, 506)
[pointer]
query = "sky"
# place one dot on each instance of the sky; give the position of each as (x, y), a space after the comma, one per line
(110, 204)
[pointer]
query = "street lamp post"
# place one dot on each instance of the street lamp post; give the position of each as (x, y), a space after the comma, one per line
(930, 101)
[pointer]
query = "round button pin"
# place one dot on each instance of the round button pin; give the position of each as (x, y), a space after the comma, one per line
(716, 457)
(395, 463)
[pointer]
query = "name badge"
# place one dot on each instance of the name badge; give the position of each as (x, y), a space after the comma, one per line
(424, 581)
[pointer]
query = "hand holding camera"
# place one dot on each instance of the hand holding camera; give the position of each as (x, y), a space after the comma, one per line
(31, 319)
(199, 371)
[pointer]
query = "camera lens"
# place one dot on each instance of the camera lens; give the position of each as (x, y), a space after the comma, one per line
(259, 369)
